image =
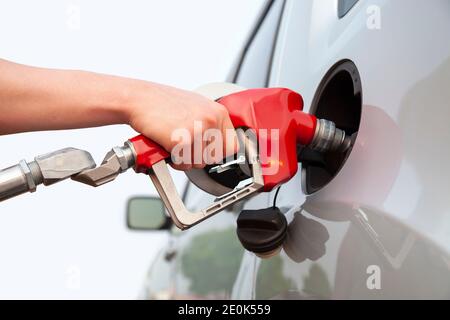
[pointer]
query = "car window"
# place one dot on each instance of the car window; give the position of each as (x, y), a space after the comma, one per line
(255, 65)
(195, 198)
(344, 7)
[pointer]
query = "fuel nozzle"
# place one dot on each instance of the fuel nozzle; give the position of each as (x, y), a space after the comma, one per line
(319, 135)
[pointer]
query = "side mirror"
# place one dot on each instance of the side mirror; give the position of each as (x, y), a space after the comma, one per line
(147, 213)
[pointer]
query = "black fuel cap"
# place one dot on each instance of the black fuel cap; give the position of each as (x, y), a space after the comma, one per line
(262, 231)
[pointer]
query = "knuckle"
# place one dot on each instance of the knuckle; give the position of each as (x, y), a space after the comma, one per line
(181, 167)
(199, 166)
(210, 120)
(171, 145)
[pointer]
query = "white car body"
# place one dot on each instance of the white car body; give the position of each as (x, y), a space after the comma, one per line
(381, 227)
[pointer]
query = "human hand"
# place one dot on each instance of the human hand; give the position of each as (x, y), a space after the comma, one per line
(158, 111)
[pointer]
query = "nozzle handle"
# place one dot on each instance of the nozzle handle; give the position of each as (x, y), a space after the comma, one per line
(147, 153)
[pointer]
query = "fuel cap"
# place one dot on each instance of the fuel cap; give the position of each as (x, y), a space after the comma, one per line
(262, 231)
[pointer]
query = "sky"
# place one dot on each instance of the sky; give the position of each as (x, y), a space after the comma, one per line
(69, 241)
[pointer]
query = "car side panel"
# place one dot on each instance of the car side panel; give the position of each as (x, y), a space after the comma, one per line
(381, 228)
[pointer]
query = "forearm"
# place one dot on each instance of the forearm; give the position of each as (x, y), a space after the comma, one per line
(34, 99)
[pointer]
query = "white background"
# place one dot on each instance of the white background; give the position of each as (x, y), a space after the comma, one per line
(69, 240)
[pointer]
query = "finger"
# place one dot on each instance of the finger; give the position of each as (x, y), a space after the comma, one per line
(197, 149)
(181, 157)
(181, 167)
(231, 145)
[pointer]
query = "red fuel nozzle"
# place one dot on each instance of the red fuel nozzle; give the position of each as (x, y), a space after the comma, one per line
(281, 109)
(276, 116)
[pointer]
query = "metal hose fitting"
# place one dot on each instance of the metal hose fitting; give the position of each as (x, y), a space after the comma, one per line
(46, 169)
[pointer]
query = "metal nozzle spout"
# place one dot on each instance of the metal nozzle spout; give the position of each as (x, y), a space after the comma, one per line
(116, 161)
(329, 138)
